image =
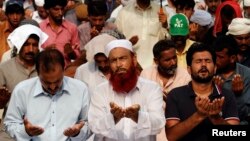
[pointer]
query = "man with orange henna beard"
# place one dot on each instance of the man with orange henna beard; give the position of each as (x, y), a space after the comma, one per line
(127, 107)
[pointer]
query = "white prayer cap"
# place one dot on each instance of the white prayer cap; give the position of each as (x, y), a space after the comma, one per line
(123, 43)
(39, 3)
(201, 17)
(19, 36)
(239, 26)
(246, 2)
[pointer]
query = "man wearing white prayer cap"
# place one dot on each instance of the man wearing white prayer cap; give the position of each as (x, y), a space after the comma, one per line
(40, 14)
(240, 30)
(27, 40)
(127, 107)
(246, 8)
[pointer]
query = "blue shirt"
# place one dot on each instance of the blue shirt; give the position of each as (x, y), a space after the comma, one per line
(243, 100)
(54, 113)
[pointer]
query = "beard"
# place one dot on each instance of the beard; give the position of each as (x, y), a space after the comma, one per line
(244, 50)
(58, 20)
(29, 57)
(124, 82)
(168, 72)
(197, 78)
(104, 69)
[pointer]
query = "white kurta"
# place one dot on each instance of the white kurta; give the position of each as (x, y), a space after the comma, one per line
(151, 118)
(131, 21)
(90, 74)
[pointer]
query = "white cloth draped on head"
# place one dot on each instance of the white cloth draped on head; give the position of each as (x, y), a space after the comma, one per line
(123, 43)
(97, 45)
(19, 36)
(39, 3)
(239, 26)
(246, 2)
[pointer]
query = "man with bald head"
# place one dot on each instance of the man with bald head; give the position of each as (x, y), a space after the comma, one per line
(127, 107)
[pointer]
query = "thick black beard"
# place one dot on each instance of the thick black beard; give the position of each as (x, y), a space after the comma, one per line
(202, 80)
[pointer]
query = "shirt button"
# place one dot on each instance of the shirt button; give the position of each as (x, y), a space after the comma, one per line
(52, 124)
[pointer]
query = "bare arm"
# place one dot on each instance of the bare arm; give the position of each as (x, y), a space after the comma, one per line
(176, 129)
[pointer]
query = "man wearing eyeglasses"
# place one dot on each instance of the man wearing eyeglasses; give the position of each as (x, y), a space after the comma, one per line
(240, 30)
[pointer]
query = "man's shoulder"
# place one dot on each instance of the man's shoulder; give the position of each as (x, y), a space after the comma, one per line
(86, 67)
(180, 90)
(147, 83)
(69, 24)
(244, 71)
(74, 83)
(7, 64)
(3, 24)
(27, 83)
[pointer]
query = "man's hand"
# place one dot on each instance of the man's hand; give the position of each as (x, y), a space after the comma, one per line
(32, 130)
(202, 105)
(218, 81)
(237, 84)
(163, 19)
(133, 112)
(74, 130)
(94, 32)
(134, 39)
(4, 97)
(68, 50)
(216, 106)
(117, 111)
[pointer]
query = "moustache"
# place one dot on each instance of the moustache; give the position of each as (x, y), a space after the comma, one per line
(120, 69)
(30, 53)
(244, 45)
(204, 69)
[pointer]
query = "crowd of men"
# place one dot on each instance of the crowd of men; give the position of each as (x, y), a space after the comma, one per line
(123, 70)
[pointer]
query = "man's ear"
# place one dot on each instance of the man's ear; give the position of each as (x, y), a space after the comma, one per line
(135, 59)
(233, 59)
(156, 60)
(189, 69)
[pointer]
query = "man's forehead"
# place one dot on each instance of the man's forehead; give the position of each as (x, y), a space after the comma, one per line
(202, 55)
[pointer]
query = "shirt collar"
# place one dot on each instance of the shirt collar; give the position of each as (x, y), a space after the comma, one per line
(48, 23)
(39, 89)
(216, 91)
(138, 7)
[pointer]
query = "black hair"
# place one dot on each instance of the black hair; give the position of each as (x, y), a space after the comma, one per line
(161, 46)
(181, 4)
(226, 42)
(97, 8)
(52, 3)
(99, 54)
(14, 8)
(48, 58)
(199, 47)
(228, 11)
